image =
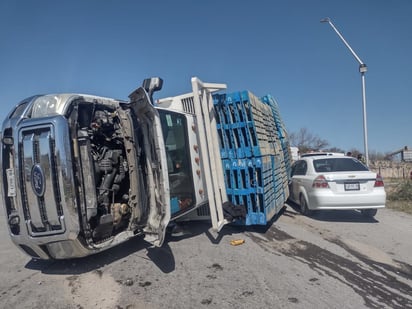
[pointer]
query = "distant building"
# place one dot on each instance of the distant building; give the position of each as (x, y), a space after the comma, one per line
(405, 154)
(295, 153)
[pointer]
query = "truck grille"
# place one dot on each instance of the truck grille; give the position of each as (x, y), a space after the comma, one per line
(39, 184)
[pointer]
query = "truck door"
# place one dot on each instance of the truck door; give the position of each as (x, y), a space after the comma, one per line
(182, 195)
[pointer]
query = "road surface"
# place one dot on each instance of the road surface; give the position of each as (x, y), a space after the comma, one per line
(332, 260)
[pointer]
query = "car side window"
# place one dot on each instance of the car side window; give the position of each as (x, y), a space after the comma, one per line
(300, 168)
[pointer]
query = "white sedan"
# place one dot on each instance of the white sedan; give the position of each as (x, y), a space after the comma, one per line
(335, 182)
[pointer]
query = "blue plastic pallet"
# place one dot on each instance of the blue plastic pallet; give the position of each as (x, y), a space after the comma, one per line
(248, 118)
(256, 184)
(254, 153)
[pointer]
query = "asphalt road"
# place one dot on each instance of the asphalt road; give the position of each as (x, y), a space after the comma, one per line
(332, 260)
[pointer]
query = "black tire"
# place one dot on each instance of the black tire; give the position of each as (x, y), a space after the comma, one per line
(369, 213)
(304, 210)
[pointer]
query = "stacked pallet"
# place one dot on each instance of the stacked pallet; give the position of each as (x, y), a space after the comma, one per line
(254, 154)
(282, 135)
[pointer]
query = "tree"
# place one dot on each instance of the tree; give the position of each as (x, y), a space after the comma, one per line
(378, 156)
(335, 149)
(307, 141)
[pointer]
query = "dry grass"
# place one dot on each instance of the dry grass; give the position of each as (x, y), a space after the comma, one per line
(399, 194)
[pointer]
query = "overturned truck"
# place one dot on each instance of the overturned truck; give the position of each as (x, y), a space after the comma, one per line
(82, 173)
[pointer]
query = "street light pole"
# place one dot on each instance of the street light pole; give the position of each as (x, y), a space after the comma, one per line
(362, 69)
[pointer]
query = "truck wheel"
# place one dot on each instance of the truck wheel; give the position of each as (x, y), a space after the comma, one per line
(304, 206)
(369, 213)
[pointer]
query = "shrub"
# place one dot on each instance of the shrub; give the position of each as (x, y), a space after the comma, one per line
(402, 191)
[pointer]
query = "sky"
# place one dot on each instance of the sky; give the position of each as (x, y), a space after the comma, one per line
(275, 47)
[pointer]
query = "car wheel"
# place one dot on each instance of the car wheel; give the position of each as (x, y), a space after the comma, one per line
(370, 213)
(304, 206)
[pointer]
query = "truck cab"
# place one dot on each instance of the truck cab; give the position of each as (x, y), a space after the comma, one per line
(83, 173)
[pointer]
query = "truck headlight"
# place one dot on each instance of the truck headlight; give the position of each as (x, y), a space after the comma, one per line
(47, 105)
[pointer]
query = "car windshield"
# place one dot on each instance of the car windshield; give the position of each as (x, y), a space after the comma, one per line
(338, 165)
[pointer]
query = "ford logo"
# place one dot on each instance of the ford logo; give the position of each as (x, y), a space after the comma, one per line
(38, 180)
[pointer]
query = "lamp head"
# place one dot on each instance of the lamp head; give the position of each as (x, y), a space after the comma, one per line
(325, 20)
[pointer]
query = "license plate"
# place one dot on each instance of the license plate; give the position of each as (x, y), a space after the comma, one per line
(11, 182)
(352, 186)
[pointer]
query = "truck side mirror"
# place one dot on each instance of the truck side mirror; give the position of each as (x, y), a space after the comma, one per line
(151, 85)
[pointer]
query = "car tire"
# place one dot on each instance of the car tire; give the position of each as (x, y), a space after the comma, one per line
(304, 206)
(369, 213)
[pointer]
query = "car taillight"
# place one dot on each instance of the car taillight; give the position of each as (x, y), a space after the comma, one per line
(379, 181)
(320, 182)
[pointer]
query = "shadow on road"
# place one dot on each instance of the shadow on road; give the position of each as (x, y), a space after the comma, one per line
(347, 215)
(89, 263)
(162, 257)
(342, 216)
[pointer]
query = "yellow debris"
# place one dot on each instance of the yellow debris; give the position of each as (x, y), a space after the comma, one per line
(237, 242)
